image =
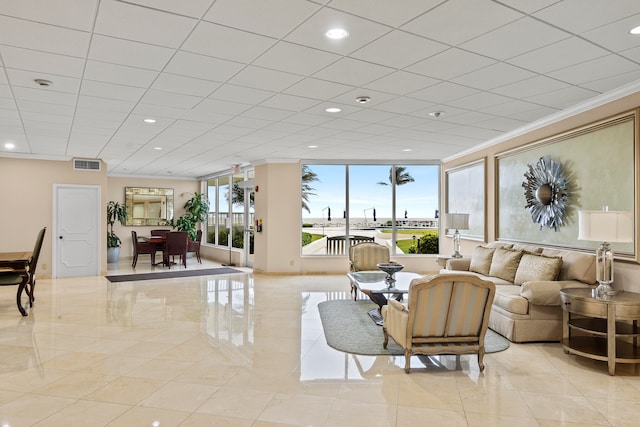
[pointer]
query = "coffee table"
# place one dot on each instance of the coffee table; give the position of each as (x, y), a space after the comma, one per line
(372, 284)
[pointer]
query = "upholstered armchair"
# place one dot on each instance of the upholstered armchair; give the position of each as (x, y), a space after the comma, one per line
(365, 257)
(445, 314)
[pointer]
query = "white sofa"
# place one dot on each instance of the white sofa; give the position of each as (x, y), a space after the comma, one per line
(528, 279)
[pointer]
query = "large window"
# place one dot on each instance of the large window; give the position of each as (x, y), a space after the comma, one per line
(394, 205)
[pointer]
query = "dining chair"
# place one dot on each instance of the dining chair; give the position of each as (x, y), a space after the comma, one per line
(194, 246)
(161, 233)
(142, 248)
(366, 256)
(177, 243)
(25, 280)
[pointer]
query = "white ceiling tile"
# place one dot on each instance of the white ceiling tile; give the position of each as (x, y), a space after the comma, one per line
(536, 114)
(530, 87)
(194, 8)
(170, 99)
(501, 124)
(450, 64)
(616, 36)
(375, 97)
(401, 83)
(559, 55)
(318, 89)
(48, 108)
(267, 113)
(26, 79)
(402, 105)
(274, 18)
(443, 92)
(393, 13)
(44, 96)
(186, 85)
(32, 35)
(111, 91)
(105, 104)
(202, 67)
(609, 83)
(42, 62)
(579, 16)
(129, 53)
(250, 123)
(353, 72)
(312, 31)
(307, 119)
(290, 102)
(493, 76)
(226, 43)
(600, 68)
(128, 21)
(479, 101)
(221, 107)
(562, 98)
(398, 49)
(437, 24)
(528, 6)
(119, 74)
(632, 54)
(262, 78)
(511, 108)
(515, 39)
(295, 59)
(76, 14)
(245, 95)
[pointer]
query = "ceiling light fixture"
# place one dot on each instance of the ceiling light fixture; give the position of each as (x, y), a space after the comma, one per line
(157, 148)
(337, 33)
(363, 99)
(436, 114)
(313, 146)
(333, 110)
(9, 146)
(43, 82)
(635, 31)
(149, 120)
(407, 149)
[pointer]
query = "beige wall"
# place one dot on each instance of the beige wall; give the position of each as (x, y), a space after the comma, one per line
(26, 191)
(626, 272)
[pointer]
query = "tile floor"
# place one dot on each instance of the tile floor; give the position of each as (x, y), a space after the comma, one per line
(249, 350)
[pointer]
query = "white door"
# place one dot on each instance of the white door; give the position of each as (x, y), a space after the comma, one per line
(76, 230)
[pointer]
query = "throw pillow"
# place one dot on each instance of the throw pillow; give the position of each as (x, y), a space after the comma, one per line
(504, 264)
(481, 260)
(536, 268)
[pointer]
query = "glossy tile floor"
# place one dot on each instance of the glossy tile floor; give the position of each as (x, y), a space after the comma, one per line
(249, 350)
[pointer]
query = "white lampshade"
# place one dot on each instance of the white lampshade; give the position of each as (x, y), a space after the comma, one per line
(605, 226)
(459, 221)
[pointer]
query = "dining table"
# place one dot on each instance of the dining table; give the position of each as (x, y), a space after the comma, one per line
(160, 242)
(18, 262)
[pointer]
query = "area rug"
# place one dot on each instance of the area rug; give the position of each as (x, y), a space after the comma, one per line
(348, 328)
(172, 274)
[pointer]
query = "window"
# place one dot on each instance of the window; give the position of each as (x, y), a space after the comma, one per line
(395, 205)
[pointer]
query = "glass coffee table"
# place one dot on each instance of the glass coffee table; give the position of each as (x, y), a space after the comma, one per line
(374, 285)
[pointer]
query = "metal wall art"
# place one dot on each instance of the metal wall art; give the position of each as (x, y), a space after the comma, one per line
(546, 192)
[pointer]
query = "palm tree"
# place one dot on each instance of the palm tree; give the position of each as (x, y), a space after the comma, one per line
(308, 176)
(402, 177)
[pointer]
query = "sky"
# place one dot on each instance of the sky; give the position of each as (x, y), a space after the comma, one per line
(418, 198)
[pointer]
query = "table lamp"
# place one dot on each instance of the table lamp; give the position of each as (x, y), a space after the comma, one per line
(605, 226)
(458, 221)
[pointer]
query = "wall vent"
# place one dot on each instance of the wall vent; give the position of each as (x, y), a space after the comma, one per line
(86, 164)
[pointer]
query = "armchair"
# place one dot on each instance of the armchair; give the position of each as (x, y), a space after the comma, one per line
(445, 314)
(194, 246)
(177, 242)
(366, 256)
(142, 248)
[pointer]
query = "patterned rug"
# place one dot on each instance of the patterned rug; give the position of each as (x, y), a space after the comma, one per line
(348, 328)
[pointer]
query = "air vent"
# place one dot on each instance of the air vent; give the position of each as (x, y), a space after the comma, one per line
(86, 165)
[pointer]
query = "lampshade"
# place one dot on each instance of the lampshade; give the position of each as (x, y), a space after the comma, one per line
(605, 226)
(459, 221)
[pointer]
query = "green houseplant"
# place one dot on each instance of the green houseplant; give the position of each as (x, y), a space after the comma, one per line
(115, 212)
(197, 209)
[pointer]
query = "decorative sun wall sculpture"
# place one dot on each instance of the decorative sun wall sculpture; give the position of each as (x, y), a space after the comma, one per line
(546, 192)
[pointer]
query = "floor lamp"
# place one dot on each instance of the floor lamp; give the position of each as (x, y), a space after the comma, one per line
(605, 226)
(230, 243)
(457, 221)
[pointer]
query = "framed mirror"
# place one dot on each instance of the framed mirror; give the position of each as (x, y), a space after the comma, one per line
(148, 206)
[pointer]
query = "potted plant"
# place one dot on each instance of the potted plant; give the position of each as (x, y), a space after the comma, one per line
(115, 212)
(197, 209)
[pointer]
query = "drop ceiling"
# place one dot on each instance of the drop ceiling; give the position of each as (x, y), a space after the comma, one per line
(237, 82)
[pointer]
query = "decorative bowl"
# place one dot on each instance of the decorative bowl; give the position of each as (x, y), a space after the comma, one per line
(390, 267)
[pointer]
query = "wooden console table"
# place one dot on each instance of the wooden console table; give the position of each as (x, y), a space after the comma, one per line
(601, 328)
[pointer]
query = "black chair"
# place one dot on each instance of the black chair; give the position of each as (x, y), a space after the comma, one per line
(142, 248)
(26, 280)
(161, 233)
(177, 243)
(194, 246)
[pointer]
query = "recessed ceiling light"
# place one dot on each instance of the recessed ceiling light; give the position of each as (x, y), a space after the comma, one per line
(313, 146)
(337, 33)
(407, 149)
(157, 148)
(436, 114)
(149, 120)
(9, 145)
(333, 110)
(363, 99)
(635, 30)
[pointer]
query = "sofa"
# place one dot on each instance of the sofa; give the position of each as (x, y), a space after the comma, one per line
(528, 279)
